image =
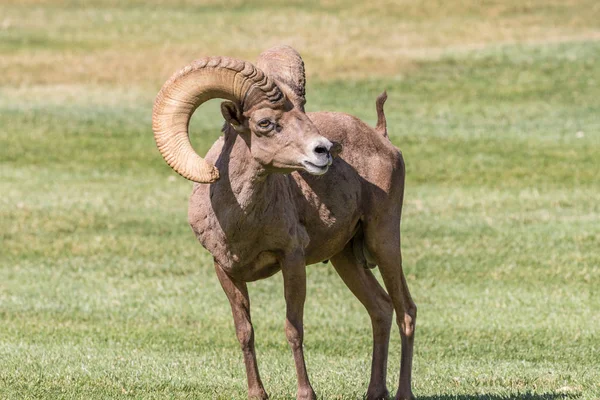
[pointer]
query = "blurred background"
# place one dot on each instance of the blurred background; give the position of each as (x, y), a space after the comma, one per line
(105, 292)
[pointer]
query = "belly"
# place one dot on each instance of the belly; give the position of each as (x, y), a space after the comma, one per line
(324, 244)
(263, 266)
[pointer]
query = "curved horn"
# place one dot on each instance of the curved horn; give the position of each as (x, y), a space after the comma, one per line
(285, 66)
(202, 80)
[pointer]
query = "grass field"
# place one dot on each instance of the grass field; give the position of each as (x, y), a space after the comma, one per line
(105, 292)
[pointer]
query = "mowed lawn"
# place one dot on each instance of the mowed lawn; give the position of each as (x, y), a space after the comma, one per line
(105, 292)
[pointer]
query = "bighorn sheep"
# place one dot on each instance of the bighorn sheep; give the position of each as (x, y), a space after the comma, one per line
(280, 199)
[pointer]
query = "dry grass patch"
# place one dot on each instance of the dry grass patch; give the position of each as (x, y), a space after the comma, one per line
(143, 43)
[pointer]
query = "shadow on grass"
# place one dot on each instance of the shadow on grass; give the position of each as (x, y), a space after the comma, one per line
(520, 396)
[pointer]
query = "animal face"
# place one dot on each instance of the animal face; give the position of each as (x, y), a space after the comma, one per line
(281, 139)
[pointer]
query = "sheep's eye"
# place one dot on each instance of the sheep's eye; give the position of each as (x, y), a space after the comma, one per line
(264, 123)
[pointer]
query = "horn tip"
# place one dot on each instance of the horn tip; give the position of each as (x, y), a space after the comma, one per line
(214, 175)
(210, 176)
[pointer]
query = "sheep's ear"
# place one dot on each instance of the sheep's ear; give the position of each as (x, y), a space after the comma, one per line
(233, 116)
(284, 65)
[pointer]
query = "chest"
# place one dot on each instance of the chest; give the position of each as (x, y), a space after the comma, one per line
(247, 238)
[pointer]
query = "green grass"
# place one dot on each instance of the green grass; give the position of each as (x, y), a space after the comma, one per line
(105, 292)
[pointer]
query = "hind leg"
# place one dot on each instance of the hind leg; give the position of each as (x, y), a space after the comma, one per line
(383, 240)
(369, 292)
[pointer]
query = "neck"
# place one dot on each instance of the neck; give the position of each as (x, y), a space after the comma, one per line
(244, 182)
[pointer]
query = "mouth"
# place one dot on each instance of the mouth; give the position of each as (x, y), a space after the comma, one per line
(315, 169)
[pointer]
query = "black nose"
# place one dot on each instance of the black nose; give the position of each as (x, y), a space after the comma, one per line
(321, 150)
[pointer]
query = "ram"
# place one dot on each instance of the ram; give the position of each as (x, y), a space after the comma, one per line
(282, 189)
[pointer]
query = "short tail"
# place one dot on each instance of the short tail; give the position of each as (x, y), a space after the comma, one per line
(381, 126)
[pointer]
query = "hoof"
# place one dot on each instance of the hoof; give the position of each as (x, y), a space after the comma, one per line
(404, 396)
(259, 394)
(307, 394)
(378, 394)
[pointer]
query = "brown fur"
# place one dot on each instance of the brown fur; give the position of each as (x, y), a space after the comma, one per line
(259, 219)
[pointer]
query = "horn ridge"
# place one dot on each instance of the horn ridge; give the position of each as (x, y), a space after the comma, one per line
(186, 90)
(284, 65)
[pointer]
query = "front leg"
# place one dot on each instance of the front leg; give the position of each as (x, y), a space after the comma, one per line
(237, 293)
(294, 283)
